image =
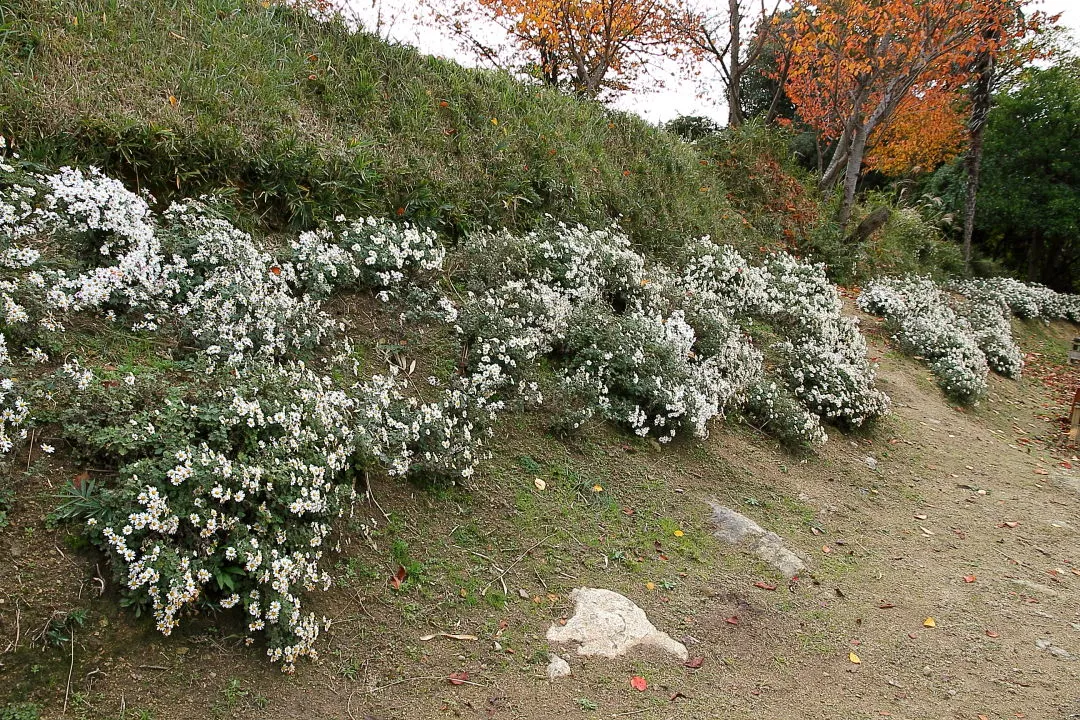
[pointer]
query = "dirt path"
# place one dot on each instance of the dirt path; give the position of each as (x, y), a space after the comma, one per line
(958, 520)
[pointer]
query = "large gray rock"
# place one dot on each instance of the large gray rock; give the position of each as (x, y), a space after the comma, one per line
(737, 529)
(608, 624)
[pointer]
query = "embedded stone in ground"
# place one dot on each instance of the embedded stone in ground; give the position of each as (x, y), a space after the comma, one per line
(737, 529)
(557, 668)
(608, 624)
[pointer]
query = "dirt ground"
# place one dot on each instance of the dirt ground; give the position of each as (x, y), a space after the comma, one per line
(970, 518)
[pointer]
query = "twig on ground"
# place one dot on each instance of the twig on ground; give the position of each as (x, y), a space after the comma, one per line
(361, 601)
(426, 677)
(71, 669)
(516, 561)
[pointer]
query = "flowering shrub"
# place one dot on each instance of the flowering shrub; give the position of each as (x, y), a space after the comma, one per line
(585, 298)
(776, 411)
(825, 363)
(647, 375)
(989, 317)
(232, 499)
(226, 484)
(13, 409)
(1026, 300)
(924, 324)
(824, 356)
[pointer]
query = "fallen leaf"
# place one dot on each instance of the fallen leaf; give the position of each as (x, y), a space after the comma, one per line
(816, 530)
(969, 578)
(920, 517)
(929, 622)
(1041, 471)
(675, 696)
(540, 484)
(399, 577)
(458, 678)
(886, 606)
(638, 683)
(598, 488)
(694, 663)
(733, 620)
(826, 549)
(764, 585)
(854, 658)
(650, 585)
(678, 533)
(991, 634)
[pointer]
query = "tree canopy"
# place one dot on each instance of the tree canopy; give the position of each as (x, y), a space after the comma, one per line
(1029, 202)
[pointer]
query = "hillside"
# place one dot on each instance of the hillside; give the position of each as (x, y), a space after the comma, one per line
(301, 120)
(321, 356)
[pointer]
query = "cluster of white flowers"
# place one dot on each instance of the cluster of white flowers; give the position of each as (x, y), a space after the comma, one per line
(231, 297)
(823, 352)
(924, 324)
(1026, 300)
(13, 409)
(216, 516)
(370, 253)
(206, 520)
(990, 319)
(658, 349)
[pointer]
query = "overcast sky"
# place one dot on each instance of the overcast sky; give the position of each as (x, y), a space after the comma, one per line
(659, 95)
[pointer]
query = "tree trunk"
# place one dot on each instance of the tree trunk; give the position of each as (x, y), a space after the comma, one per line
(851, 175)
(1035, 257)
(980, 110)
(735, 115)
(831, 176)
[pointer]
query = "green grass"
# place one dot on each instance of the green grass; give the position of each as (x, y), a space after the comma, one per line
(297, 120)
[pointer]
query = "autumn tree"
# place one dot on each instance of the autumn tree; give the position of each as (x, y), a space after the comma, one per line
(732, 38)
(588, 46)
(859, 64)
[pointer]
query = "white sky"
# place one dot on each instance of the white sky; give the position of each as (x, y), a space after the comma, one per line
(661, 94)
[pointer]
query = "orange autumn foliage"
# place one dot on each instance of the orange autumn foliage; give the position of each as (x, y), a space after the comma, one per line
(589, 46)
(925, 131)
(870, 72)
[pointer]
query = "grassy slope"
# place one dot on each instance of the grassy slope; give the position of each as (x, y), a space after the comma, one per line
(302, 120)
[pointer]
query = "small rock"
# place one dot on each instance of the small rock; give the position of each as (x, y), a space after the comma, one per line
(1034, 587)
(870, 462)
(557, 668)
(1048, 645)
(523, 594)
(927, 671)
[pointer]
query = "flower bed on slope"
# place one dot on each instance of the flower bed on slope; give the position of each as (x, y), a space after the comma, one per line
(926, 326)
(233, 455)
(962, 334)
